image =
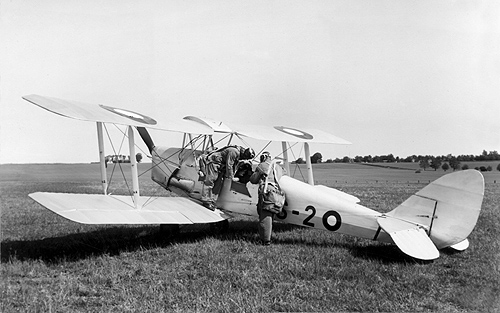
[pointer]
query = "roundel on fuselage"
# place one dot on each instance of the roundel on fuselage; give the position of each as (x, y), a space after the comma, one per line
(131, 115)
(294, 132)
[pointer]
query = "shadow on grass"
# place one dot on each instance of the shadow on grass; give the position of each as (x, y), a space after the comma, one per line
(78, 246)
(384, 253)
(116, 240)
(359, 248)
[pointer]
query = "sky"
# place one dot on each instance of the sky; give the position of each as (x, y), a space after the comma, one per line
(400, 77)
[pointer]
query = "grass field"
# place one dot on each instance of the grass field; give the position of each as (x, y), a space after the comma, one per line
(50, 264)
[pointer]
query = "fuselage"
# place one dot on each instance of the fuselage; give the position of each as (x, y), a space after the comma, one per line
(306, 205)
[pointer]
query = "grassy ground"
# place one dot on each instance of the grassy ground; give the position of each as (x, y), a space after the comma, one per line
(50, 264)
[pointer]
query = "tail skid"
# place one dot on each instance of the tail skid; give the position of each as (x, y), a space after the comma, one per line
(446, 211)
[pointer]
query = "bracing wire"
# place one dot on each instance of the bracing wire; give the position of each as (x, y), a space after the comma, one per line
(220, 140)
(163, 160)
(121, 169)
(296, 164)
(119, 164)
(193, 142)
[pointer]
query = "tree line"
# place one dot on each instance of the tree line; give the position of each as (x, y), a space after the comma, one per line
(444, 162)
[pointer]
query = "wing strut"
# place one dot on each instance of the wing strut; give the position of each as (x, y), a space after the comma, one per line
(285, 157)
(133, 167)
(102, 160)
(310, 178)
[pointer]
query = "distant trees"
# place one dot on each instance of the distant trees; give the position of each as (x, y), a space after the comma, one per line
(454, 163)
(436, 163)
(316, 158)
(424, 163)
(299, 161)
(488, 156)
(367, 159)
(444, 162)
(138, 157)
(390, 158)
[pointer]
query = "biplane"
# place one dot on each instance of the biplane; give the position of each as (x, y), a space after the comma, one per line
(440, 215)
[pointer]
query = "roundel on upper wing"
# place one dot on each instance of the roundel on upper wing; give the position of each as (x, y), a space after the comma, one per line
(131, 115)
(294, 132)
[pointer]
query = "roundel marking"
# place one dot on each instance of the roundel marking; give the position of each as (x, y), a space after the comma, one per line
(131, 115)
(294, 132)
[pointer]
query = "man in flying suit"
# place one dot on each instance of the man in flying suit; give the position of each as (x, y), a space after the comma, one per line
(266, 211)
(221, 162)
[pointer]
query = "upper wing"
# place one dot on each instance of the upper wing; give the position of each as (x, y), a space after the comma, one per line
(289, 134)
(216, 126)
(272, 133)
(106, 209)
(108, 114)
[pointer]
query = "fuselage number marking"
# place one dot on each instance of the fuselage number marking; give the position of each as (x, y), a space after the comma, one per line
(328, 222)
(306, 221)
(327, 218)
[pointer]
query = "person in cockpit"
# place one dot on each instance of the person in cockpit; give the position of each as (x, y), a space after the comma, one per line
(243, 171)
(220, 164)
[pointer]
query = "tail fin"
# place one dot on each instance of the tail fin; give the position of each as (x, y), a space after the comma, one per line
(447, 209)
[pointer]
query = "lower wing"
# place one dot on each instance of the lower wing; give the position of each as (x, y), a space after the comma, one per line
(108, 209)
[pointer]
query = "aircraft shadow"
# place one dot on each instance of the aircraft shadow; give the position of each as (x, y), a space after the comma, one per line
(369, 250)
(384, 253)
(73, 247)
(116, 240)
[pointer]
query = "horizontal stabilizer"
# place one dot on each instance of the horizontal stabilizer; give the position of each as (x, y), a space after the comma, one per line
(107, 209)
(410, 238)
